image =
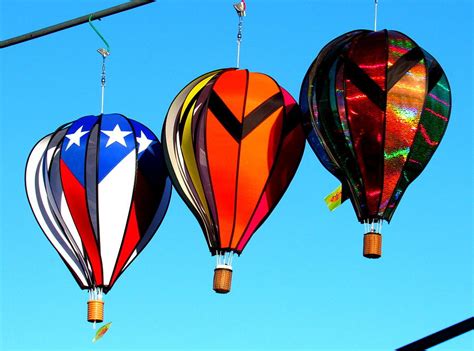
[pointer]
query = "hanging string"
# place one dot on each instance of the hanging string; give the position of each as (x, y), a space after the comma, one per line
(102, 83)
(104, 53)
(240, 8)
(375, 14)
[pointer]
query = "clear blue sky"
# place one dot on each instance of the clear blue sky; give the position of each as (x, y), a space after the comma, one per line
(302, 283)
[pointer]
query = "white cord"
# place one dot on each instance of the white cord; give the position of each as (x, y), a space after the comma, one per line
(238, 54)
(375, 15)
(102, 101)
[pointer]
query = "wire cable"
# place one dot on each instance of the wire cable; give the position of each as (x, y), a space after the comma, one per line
(375, 14)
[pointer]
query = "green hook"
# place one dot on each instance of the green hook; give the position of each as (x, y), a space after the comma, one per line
(101, 37)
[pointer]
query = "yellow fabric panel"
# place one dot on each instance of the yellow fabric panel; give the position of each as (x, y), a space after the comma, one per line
(187, 144)
(196, 90)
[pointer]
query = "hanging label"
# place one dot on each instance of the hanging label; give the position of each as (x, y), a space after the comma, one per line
(334, 199)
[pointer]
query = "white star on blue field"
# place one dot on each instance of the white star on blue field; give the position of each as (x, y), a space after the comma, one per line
(75, 138)
(116, 136)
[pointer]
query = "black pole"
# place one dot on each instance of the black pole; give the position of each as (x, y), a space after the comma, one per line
(441, 336)
(74, 22)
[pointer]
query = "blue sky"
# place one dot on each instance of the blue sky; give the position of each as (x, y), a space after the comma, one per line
(302, 283)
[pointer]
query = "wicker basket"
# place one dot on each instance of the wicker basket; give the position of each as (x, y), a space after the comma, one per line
(222, 279)
(95, 311)
(372, 245)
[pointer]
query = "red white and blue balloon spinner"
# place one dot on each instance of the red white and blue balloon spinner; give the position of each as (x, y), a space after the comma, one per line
(99, 189)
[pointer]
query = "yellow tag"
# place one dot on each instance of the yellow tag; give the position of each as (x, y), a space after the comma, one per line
(333, 200)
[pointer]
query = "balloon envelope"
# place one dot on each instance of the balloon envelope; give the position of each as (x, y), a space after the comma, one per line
(378, 106)
(99, 189)
(233, 140)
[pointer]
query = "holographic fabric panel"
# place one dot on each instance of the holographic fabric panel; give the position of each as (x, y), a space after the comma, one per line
(366, 118)
(433, 123)
(404, 104)
(341, 108)
(398, 45)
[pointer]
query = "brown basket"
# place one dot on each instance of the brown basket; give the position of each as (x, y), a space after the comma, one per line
(222, 280)
(372, 245)
(95, 311)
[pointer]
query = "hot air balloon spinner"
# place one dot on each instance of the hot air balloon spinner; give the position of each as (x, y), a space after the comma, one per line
(378, 105)
(99, 189)
(233, 140)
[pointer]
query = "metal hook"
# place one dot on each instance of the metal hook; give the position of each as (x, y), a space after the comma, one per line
(102, 51)
(240, 7)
